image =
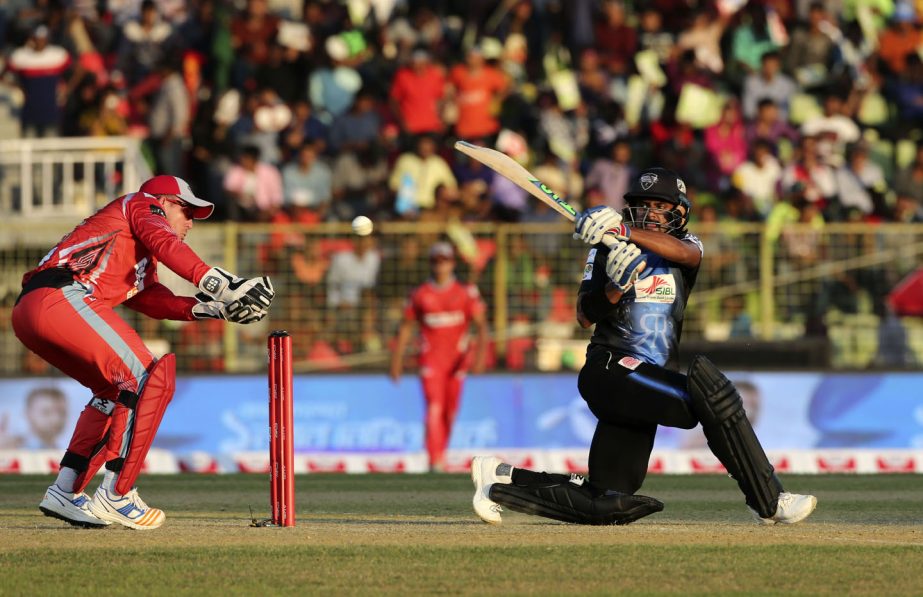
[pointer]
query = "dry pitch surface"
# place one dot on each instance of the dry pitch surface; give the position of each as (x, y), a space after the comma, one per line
(411, 534)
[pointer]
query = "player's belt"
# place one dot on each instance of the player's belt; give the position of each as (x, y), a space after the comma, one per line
(56, 277)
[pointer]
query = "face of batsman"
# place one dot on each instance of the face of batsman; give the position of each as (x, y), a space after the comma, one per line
(656, 200)
(179, 214)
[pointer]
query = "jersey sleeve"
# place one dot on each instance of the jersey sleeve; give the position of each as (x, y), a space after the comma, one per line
(148, 223)
(691, 238)
(158, 302)
(594, 270)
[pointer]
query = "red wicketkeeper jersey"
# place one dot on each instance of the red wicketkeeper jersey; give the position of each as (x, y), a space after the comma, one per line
(114, 253)
(444, 314)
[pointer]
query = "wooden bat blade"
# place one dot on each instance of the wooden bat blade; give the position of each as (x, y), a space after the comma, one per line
(508, 167)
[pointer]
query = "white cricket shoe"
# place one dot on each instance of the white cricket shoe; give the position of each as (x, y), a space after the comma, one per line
(484, 474)
(792, 508)
(128, 510)
(72, 508)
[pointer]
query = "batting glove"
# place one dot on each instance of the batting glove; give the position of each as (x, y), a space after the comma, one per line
(624, 264)
(596, 222)
(255, 294)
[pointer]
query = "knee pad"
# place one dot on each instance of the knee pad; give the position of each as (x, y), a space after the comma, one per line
(719, 407)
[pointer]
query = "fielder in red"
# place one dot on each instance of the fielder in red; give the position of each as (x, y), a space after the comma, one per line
(444, 308)
(65, 315)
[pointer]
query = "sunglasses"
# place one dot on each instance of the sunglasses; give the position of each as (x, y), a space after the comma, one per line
(188, 210)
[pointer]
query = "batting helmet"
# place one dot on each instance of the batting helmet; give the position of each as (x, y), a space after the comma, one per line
(658, 184)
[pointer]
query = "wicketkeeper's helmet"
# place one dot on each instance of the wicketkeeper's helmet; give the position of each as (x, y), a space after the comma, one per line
(658, 184)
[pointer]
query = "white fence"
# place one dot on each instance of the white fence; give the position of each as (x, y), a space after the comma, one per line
(67, 177)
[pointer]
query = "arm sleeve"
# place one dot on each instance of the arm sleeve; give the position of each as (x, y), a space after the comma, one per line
(158, 302)
(148, 223)
(592, 294)
(410, 307)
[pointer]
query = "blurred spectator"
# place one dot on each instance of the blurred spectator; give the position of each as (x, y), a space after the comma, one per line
(901, 39)
(907, 90)
(254, 187)
(169, 120)
(107, 117)
(307, 184)
(333, 85)
(909, 181)
(769, 83)
(703, 38)
(145, 43)
(859, 183)
(815, 177)
(360, 184)
(653, 36)
(417, 174)
(907, 209)
(359, 127)
(751, 40)
(725, 143)
(39, 67)
(612, 174)
(284, 71)
(305, 127)
(833, 129)
(809, 55)
(759, 177)
(615, 40)
(252, 32)
(478, 89)
(769, 125)
(416, 94)
(350, 302)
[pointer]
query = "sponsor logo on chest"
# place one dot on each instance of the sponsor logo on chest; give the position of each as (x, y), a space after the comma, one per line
(443, 319)
(658, 288)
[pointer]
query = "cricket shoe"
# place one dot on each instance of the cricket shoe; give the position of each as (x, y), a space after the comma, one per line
(792, 508)
(128, 510)
(484, 474)
(72, 508)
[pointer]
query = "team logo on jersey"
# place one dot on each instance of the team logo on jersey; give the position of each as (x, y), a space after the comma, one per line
(588, 268)
(648, 180)
(157, 211)
(659, 288)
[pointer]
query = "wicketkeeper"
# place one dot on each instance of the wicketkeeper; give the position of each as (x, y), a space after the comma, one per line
(635, 287)
(65, 315)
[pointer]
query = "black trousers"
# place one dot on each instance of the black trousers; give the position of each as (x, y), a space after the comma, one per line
(630, 399)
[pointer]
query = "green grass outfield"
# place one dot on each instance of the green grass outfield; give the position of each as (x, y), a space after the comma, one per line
(411, 534)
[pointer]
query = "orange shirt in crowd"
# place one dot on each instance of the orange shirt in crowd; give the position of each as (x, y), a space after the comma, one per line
(476, 93)
(417, 93)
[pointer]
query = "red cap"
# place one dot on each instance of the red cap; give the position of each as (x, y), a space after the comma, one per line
(173, 185)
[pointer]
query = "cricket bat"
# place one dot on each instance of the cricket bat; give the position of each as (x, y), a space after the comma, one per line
(508, 167)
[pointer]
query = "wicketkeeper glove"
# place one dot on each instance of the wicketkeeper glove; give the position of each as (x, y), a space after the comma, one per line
(208, 309)
(235, 312)
(596, 222)
(253, 294)
(624, 264)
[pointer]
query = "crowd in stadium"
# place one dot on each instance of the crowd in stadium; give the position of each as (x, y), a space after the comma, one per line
(283, 110)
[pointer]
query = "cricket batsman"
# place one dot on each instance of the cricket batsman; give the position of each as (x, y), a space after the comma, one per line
(65, 315)
(634, 290)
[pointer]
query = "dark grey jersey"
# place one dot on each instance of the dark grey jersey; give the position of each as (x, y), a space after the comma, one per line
(648, 320)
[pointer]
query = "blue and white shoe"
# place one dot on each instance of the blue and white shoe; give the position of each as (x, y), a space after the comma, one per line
(72, 508)
(128, 510)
